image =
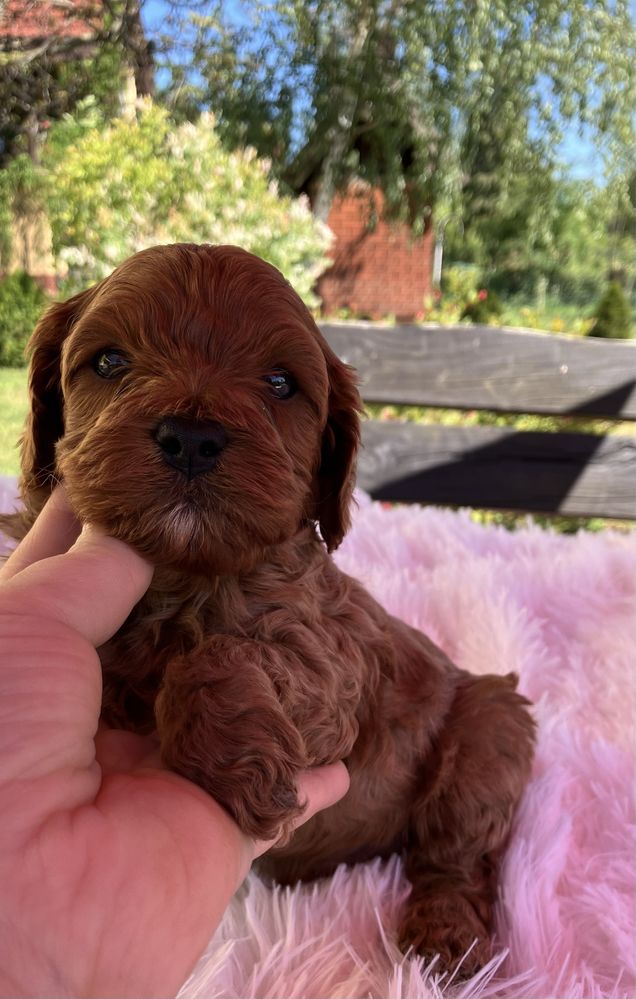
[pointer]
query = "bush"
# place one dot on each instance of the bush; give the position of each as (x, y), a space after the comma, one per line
(460, 282)
(21, 302)
(114, 189)
(485, 307)
(613, 315)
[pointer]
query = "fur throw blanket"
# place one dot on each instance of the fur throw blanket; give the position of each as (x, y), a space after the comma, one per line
(559, 610)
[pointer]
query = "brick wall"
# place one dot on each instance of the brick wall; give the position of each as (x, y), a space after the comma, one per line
(375, 272)
(26, 20)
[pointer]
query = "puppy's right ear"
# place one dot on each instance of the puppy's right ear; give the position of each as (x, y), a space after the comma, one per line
(45, 422)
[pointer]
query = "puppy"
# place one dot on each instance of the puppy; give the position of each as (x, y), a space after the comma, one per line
(193, 409)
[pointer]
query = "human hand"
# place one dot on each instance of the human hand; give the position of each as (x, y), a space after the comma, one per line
(114, 871)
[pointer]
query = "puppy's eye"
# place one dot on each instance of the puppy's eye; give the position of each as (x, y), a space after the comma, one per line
(110, 363)
(281, 384)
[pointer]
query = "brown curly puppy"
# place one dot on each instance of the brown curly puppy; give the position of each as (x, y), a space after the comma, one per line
(194, 410)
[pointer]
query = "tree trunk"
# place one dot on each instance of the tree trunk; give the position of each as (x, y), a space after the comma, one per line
(139, 51)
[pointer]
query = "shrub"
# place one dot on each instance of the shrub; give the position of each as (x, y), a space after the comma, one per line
(612, 314)
(21, 302)
(136, 182)
(485, 307)
(460, 283)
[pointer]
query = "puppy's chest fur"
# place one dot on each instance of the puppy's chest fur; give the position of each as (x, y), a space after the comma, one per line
(349, 676)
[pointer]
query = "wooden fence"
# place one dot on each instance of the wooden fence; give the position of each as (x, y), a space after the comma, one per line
(504, 371)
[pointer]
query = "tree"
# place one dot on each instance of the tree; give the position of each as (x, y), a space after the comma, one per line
(573, 235)
(53, 56)
(436, 103)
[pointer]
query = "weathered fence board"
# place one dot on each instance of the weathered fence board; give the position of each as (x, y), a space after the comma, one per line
(568, 474)
(515, 371)
(481, 367)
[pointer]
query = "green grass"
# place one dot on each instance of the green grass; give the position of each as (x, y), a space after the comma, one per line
(14, 402)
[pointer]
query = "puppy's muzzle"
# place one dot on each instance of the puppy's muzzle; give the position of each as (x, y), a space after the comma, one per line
(189, 446)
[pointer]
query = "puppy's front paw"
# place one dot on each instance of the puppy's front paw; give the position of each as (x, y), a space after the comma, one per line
(223, 729)
(269, 813)
(253, 783)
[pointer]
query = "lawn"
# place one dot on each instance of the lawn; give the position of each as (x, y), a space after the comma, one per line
(13, 409)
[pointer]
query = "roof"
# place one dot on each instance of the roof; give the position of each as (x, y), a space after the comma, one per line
(33, 21)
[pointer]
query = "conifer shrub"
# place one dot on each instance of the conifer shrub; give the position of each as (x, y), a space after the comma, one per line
(613, 315)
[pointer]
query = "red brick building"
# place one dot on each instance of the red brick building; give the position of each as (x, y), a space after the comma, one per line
(379, 270)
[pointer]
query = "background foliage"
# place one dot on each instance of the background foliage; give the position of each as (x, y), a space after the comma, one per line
(21, 302)
(442, 105)
(112, 189)
(455, 110)
(612, 315)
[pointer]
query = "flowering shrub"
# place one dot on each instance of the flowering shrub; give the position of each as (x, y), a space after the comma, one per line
(114, 190)
(483, 308)
(460, 282)
(459, 286)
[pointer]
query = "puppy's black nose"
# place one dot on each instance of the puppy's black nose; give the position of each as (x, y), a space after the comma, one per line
(190, 447)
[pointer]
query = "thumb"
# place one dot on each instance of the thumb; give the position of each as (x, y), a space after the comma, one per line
(91, 588)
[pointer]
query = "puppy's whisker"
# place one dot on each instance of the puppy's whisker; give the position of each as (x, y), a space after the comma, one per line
(52, 480)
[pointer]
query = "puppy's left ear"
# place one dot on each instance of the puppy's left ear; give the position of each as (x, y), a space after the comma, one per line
(337, 472)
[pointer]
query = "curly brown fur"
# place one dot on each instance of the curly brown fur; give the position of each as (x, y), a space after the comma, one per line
(252, 654)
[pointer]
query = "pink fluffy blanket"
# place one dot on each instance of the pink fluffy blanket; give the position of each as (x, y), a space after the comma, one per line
(560, 611)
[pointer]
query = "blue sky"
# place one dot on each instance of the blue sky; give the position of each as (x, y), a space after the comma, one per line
(581, 156)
